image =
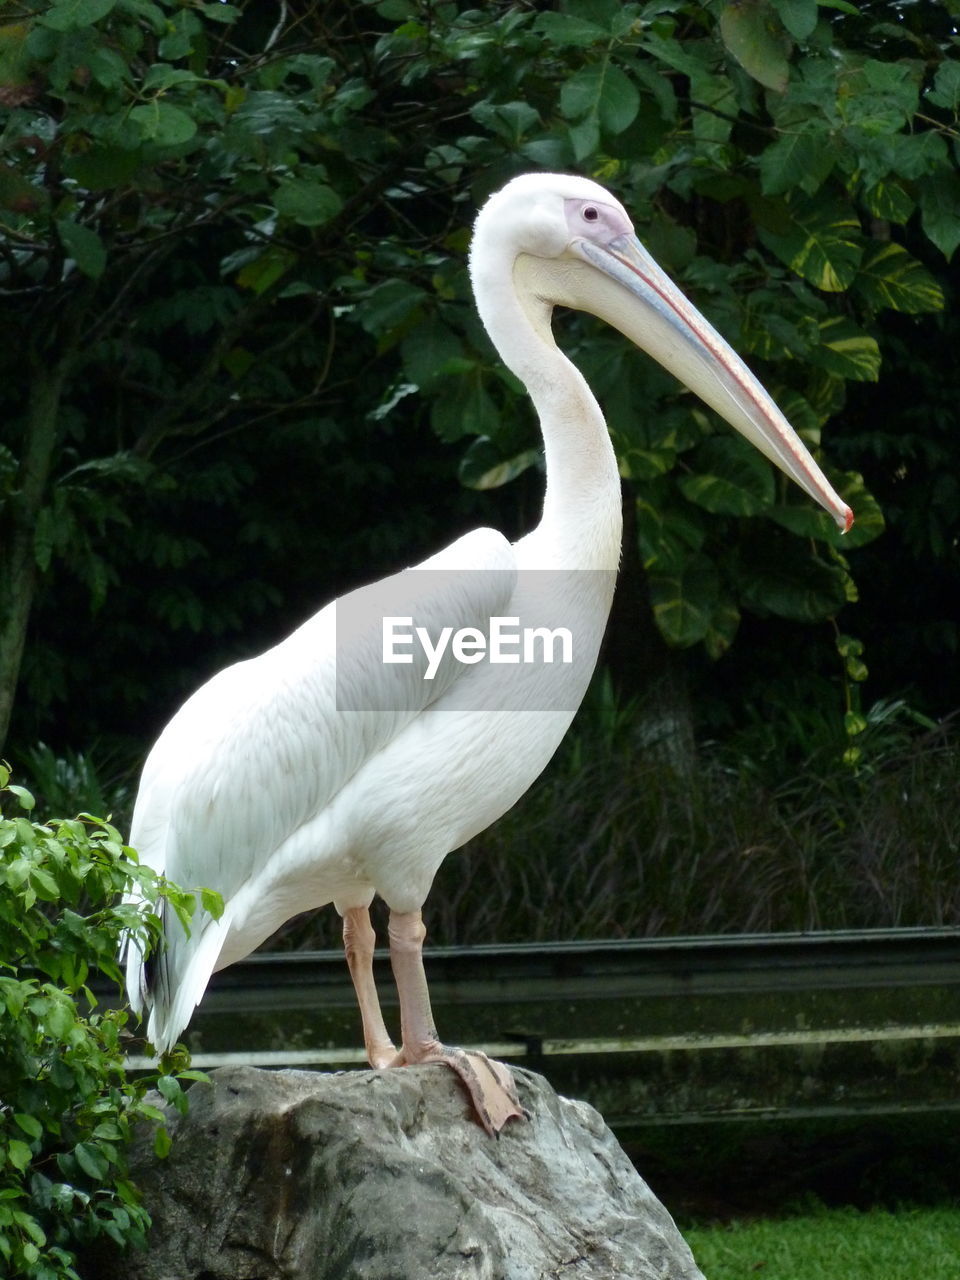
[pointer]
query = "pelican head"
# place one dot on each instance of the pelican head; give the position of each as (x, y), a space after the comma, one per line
(565, 241)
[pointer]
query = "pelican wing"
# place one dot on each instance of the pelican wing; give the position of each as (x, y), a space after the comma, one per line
(266, 744)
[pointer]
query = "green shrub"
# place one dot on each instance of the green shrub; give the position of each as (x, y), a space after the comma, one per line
(67, 1107)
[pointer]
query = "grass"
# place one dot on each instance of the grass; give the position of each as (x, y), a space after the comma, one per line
(619, 839)
(771, 830)
(833, 1244)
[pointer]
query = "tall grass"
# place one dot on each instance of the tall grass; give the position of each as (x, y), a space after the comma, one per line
(627, 844)
(769, 831)
(620, 839)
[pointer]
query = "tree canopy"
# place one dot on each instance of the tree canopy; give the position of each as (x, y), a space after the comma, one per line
(240, 367)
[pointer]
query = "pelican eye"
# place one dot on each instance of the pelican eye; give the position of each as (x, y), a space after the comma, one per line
(591, 214)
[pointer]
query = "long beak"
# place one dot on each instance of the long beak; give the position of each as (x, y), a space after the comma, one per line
(676, 335)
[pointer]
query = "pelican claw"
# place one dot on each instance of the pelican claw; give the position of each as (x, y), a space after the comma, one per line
(489, 1083)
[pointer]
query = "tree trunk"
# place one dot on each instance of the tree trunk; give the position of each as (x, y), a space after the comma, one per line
(18, 564)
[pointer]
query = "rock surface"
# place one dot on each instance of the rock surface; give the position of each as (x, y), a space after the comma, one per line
(297, 1175)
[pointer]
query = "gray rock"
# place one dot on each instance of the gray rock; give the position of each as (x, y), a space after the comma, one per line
(297, 1175)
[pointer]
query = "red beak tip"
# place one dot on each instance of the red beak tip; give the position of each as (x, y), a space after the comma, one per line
(847, 519)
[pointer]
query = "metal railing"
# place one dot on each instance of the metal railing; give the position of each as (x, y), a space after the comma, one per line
(650, 1031)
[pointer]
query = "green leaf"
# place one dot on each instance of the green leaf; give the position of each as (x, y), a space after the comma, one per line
(940, 210)
(890, 277)
(72, 15)
(23, 795)
(802, 158)
(945, 91)
(854, 722)
(823, 243)
(714, 106)
(427, 352)
(484, 467)
(306, 202)
(169, 1088)
(15, 62)
(31, 1227)
(846, 350)
(660, 86)
(91, 1160)
(881, 96)
(212, 902)
(684, 600)
(856, 670)
(43, 880)
(161, 1143)
(509, 120)
(731, 478)
(162, 76)
(387, 306)
(889, 201)
(783, 579)
(666, 534)
(584, 138)
(107, 68)
(826, 392)
(163, 124)
(18, 1154)
(601, 92)
(689, 58)
(180, 32)
(464, 409)
(566, 29)
(849, 646)
(30, 1125)
(645, 464)
(798, 16)
(60, 1020)
(914, 156)
(225, 13)
(265, 270)
(546, 153)
(15, 994)
(84, 246)
(753, 34)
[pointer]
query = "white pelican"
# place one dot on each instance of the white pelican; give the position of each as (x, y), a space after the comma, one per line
(267, 788)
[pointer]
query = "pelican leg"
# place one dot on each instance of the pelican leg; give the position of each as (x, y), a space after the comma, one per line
(490, 1084)
(359, 941)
